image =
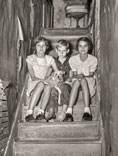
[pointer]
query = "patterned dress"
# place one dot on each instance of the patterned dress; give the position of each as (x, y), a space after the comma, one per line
(41, 67)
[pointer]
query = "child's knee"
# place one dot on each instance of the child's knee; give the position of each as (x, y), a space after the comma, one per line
(84, 82)
(76, 83)
(40, 85)
(47, 88)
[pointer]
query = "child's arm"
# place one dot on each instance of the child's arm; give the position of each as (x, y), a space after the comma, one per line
(70, 76)
(92, 69)
(54, 66)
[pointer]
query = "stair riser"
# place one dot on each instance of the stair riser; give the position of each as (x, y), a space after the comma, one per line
(65, 32)
(57, 149)
(37, 131)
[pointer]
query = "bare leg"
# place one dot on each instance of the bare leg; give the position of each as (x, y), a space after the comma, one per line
(73, 96)
(34, 99)
(85, 91)
(45, 98)
(36, 95)
(74, 93)
(87, 114)
(59, 110)
(62, 113)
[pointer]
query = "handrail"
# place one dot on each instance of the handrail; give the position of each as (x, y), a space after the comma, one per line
(9, 147)
(51, 14)
(91, 14)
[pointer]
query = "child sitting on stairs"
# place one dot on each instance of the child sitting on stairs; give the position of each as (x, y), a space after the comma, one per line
(62, 50)
(84, 67)
(38, 88)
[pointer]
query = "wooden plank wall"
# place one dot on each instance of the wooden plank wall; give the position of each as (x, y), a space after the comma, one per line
(7, 49)
(9, 54)
(109, 73)
(4, 120)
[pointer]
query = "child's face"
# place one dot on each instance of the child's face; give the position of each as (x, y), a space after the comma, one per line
(62, 51)
(83, 47)
(41, 47)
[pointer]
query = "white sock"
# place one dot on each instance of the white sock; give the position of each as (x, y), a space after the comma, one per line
(87, 110)
(29, 112)
(41, 111)
(69, 110)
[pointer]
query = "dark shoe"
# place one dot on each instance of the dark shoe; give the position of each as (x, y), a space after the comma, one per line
(40, 118)
(29, 118)
(87, 117)
(68, 118)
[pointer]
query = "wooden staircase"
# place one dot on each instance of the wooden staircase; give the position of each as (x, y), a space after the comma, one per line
(78, 138)
(58, 139)
(71, 35)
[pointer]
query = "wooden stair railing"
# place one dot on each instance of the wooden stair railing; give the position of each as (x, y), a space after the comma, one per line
(91, 14)
(47, 21)
(17, 116)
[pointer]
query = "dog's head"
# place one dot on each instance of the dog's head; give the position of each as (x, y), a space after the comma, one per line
(59, 76)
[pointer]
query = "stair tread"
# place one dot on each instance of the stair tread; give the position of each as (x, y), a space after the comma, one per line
(71, 35)
(77, 111)
(26, 124)
(59, 141)
(65, 31)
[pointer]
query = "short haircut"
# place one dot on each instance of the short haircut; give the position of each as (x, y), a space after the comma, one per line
(85, 39)
(62, 43)
(39, 39)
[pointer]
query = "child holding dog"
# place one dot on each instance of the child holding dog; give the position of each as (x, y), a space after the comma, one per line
(38, 88)
(62, 50)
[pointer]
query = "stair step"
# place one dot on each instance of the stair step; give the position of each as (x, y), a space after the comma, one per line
(77, 111)
(71, 35)
(64, 31)
(34, 148)
(75, 130)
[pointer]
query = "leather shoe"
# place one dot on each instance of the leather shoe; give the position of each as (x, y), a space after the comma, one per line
(68, 118)
(87, 117)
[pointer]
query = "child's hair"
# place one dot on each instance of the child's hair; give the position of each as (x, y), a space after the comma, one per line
(87, 40)
(62, 43)
(39, 39)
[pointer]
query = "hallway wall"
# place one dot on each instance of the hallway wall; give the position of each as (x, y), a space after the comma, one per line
(109, 73)
(11, 48)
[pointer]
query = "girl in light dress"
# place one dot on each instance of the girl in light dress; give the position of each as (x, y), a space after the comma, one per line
(39, 65)
(84, 67)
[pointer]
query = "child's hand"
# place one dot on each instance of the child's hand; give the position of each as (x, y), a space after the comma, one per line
(86, 71)
(59, 73)
(79, 76)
